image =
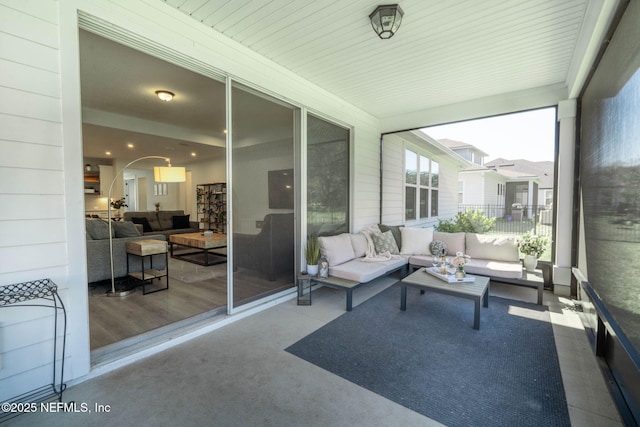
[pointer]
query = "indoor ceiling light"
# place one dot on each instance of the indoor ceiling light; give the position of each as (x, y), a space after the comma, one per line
(386, 20)
(165, 95)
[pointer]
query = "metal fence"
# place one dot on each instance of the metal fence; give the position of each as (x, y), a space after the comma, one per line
(516, 219)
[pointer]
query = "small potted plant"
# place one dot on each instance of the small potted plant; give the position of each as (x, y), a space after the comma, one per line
(118, 204)
(532, 246)
(312, 254)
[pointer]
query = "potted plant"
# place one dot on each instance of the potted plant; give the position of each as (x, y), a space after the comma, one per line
(312, 254)
(532, 246)
(118, 204)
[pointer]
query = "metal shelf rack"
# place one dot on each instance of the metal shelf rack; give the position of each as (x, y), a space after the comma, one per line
(39, 293)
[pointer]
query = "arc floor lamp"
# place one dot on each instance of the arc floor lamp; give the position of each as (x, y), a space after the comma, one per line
(160, 174)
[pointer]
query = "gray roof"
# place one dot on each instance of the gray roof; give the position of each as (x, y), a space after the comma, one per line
(544, 170)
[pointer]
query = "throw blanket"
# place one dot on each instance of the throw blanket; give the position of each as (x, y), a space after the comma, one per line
(370, 255)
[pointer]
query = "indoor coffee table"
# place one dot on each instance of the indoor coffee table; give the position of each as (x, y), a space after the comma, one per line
(203, 244)
(477, 291)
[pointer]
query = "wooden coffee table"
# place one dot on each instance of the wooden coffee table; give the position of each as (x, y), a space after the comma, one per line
(477, 291)
(203, 244)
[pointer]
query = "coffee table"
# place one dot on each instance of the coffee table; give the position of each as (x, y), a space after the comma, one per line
(477, 291)
(203, 244)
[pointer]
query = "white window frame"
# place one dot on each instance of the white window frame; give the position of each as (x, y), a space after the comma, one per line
(418, 186)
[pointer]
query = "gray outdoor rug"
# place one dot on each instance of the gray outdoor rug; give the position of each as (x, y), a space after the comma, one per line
(431, 360)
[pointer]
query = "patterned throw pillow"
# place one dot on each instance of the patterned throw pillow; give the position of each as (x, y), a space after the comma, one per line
(385, 242)
(437, 247)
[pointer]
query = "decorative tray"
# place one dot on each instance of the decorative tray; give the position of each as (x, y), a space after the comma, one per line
(449, 278)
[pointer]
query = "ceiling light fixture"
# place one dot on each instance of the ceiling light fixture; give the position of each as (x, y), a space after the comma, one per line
(386, 20)
(165, 95)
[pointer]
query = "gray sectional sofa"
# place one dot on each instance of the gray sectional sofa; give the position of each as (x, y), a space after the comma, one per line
(162, 222)
(97, 237)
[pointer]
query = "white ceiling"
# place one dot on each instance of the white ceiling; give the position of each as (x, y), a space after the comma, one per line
(445, 52)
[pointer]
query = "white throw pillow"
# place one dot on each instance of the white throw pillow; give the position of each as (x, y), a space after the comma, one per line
(415, 241)
(336, 249)
(359, 244)
(492, 247)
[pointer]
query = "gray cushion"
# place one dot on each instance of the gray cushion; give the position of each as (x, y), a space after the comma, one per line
(155, 224)
(395, 230)
(98, 229)
(144, 221)
(385, 242)
(124, 229)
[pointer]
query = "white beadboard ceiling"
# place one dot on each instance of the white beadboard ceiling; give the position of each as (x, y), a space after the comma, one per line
(445, 52)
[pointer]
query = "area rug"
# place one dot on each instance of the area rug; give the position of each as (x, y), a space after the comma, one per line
(431, 360)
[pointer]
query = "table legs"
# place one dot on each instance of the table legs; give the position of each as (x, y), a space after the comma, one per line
(349, 299)
(484, 300)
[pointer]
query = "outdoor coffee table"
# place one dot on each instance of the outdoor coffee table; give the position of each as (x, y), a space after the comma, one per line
(203, 244)
(477, 291)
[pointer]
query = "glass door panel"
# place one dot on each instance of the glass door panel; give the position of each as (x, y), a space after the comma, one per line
(327, 178)
(262, 195)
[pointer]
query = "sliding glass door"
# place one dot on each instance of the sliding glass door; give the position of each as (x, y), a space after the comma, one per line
(327, 177)
(262, 195)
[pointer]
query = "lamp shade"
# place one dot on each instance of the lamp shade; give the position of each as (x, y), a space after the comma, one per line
(169, 174)
(386, 20)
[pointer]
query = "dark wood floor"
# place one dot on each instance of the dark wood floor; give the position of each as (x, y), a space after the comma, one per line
(193, 290)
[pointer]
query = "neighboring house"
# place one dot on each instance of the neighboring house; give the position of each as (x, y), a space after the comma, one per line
(543, 170)
(496, 186)
(468, 152)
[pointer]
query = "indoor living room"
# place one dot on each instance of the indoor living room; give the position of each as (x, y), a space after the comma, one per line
(125, 123)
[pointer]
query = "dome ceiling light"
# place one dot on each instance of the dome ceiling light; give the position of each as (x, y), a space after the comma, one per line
(165, 95)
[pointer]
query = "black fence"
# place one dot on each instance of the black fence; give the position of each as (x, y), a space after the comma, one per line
(517, 219)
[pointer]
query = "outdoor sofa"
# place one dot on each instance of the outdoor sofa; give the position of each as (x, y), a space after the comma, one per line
(380, 250)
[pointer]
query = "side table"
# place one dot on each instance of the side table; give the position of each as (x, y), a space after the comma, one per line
(147, 249)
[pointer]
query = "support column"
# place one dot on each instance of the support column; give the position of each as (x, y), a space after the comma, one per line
(564, 199)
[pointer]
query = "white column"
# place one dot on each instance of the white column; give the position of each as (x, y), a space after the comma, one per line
(564, 200)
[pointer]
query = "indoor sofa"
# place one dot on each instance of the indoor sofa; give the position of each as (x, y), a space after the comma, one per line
(162, 222)
(98, 260)
(270, 252)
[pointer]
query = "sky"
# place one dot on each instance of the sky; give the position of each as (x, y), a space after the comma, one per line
(529, 135)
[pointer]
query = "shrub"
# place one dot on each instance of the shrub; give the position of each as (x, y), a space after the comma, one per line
(448, 226)
(471, 221)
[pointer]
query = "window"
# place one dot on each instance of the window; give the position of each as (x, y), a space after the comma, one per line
(421, 186)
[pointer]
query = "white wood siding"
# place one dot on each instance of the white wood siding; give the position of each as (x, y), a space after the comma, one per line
(393, 181)
(33, 237)
(41, 222)
(473, 188)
